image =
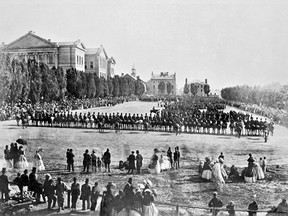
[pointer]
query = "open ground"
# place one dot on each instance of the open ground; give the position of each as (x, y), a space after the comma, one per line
(181, 186)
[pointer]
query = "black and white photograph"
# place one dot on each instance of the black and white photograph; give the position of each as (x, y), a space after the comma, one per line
(144, 107)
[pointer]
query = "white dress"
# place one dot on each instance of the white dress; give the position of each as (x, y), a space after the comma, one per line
(154, 165)
(259, 171)
(38, 162)
(150, 210)
(165, 163)
(23, 163)
(217, 175)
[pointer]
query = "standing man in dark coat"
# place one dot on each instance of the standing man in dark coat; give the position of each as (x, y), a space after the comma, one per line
(75, 192)
(128, 193)
(169, 155)
(215, 202)
(49, 190)
(70, 160)
(34, 185)
(131, 160)
(86, 161)
(95, 192)
(24, 181)
(107, 160)
(4, 182)
(85, 194)
(139, 160)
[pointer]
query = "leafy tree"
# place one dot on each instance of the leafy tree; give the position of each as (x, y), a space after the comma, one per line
(206, 89)
(36, 80)
(91, 87)
(50, 88)
(110, 85)
(62, 82)
(116, 87)
(71, 77)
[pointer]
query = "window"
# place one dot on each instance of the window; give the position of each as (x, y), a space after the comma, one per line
(153, 86)
(85, 66)
(50, 59)
(91, 65)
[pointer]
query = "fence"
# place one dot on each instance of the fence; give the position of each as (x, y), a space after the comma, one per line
(180, 210)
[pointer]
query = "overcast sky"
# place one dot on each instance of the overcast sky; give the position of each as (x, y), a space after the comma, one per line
(228, 42)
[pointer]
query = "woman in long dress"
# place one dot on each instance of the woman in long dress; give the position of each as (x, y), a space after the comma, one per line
(149, 208)
(217, 175)
(154, 165)
(207, 173)
(38, 162)
(22, 163)
(259, 171)
(164, 163)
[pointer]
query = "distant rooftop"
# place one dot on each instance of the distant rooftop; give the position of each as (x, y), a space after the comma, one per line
(163, 75)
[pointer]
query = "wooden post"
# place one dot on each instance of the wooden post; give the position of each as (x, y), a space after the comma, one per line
(177, 210)
(68, 199)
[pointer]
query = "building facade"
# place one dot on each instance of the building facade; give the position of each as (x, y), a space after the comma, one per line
(162, 84)
(200, 87)
(134, 77)
(97, 61)
(62, 54)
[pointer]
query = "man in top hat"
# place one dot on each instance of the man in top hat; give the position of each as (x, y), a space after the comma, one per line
(86, 161)
(85, 194)
(34, 185)
(128, 192)
(215, 202)
(139, 160)
(131, 160)
(107, 160)
(4, 189)
(94, 161)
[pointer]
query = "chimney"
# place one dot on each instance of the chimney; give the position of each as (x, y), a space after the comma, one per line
(205, 81)
(49, 40)
(122, 74)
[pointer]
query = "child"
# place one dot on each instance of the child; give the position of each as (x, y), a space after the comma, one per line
(99, 164)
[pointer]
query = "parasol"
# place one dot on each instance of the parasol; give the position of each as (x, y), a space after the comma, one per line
(21, 141)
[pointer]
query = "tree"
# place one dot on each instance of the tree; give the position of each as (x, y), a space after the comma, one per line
(62, 82)
(110, 85)
(36, 80)
(161, 87)
(91, 87)
(50, 88)
(194, 89)
(116, 90)
(71, 77)
(169, 88)
(206, 89)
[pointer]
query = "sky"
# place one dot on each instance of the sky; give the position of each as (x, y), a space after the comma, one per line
(226, 42)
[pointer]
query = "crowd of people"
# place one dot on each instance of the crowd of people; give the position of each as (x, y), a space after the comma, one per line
(15, 157)
(133, 198)
(176, 116)
(217, 171)
(20, 109)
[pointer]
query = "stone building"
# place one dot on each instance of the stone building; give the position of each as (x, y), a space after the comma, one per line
(97, 61)
(162, 84)
(200, 87)
(134, 77)
(63, 54)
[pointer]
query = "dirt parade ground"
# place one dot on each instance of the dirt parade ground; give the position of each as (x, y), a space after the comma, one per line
(182, 186)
